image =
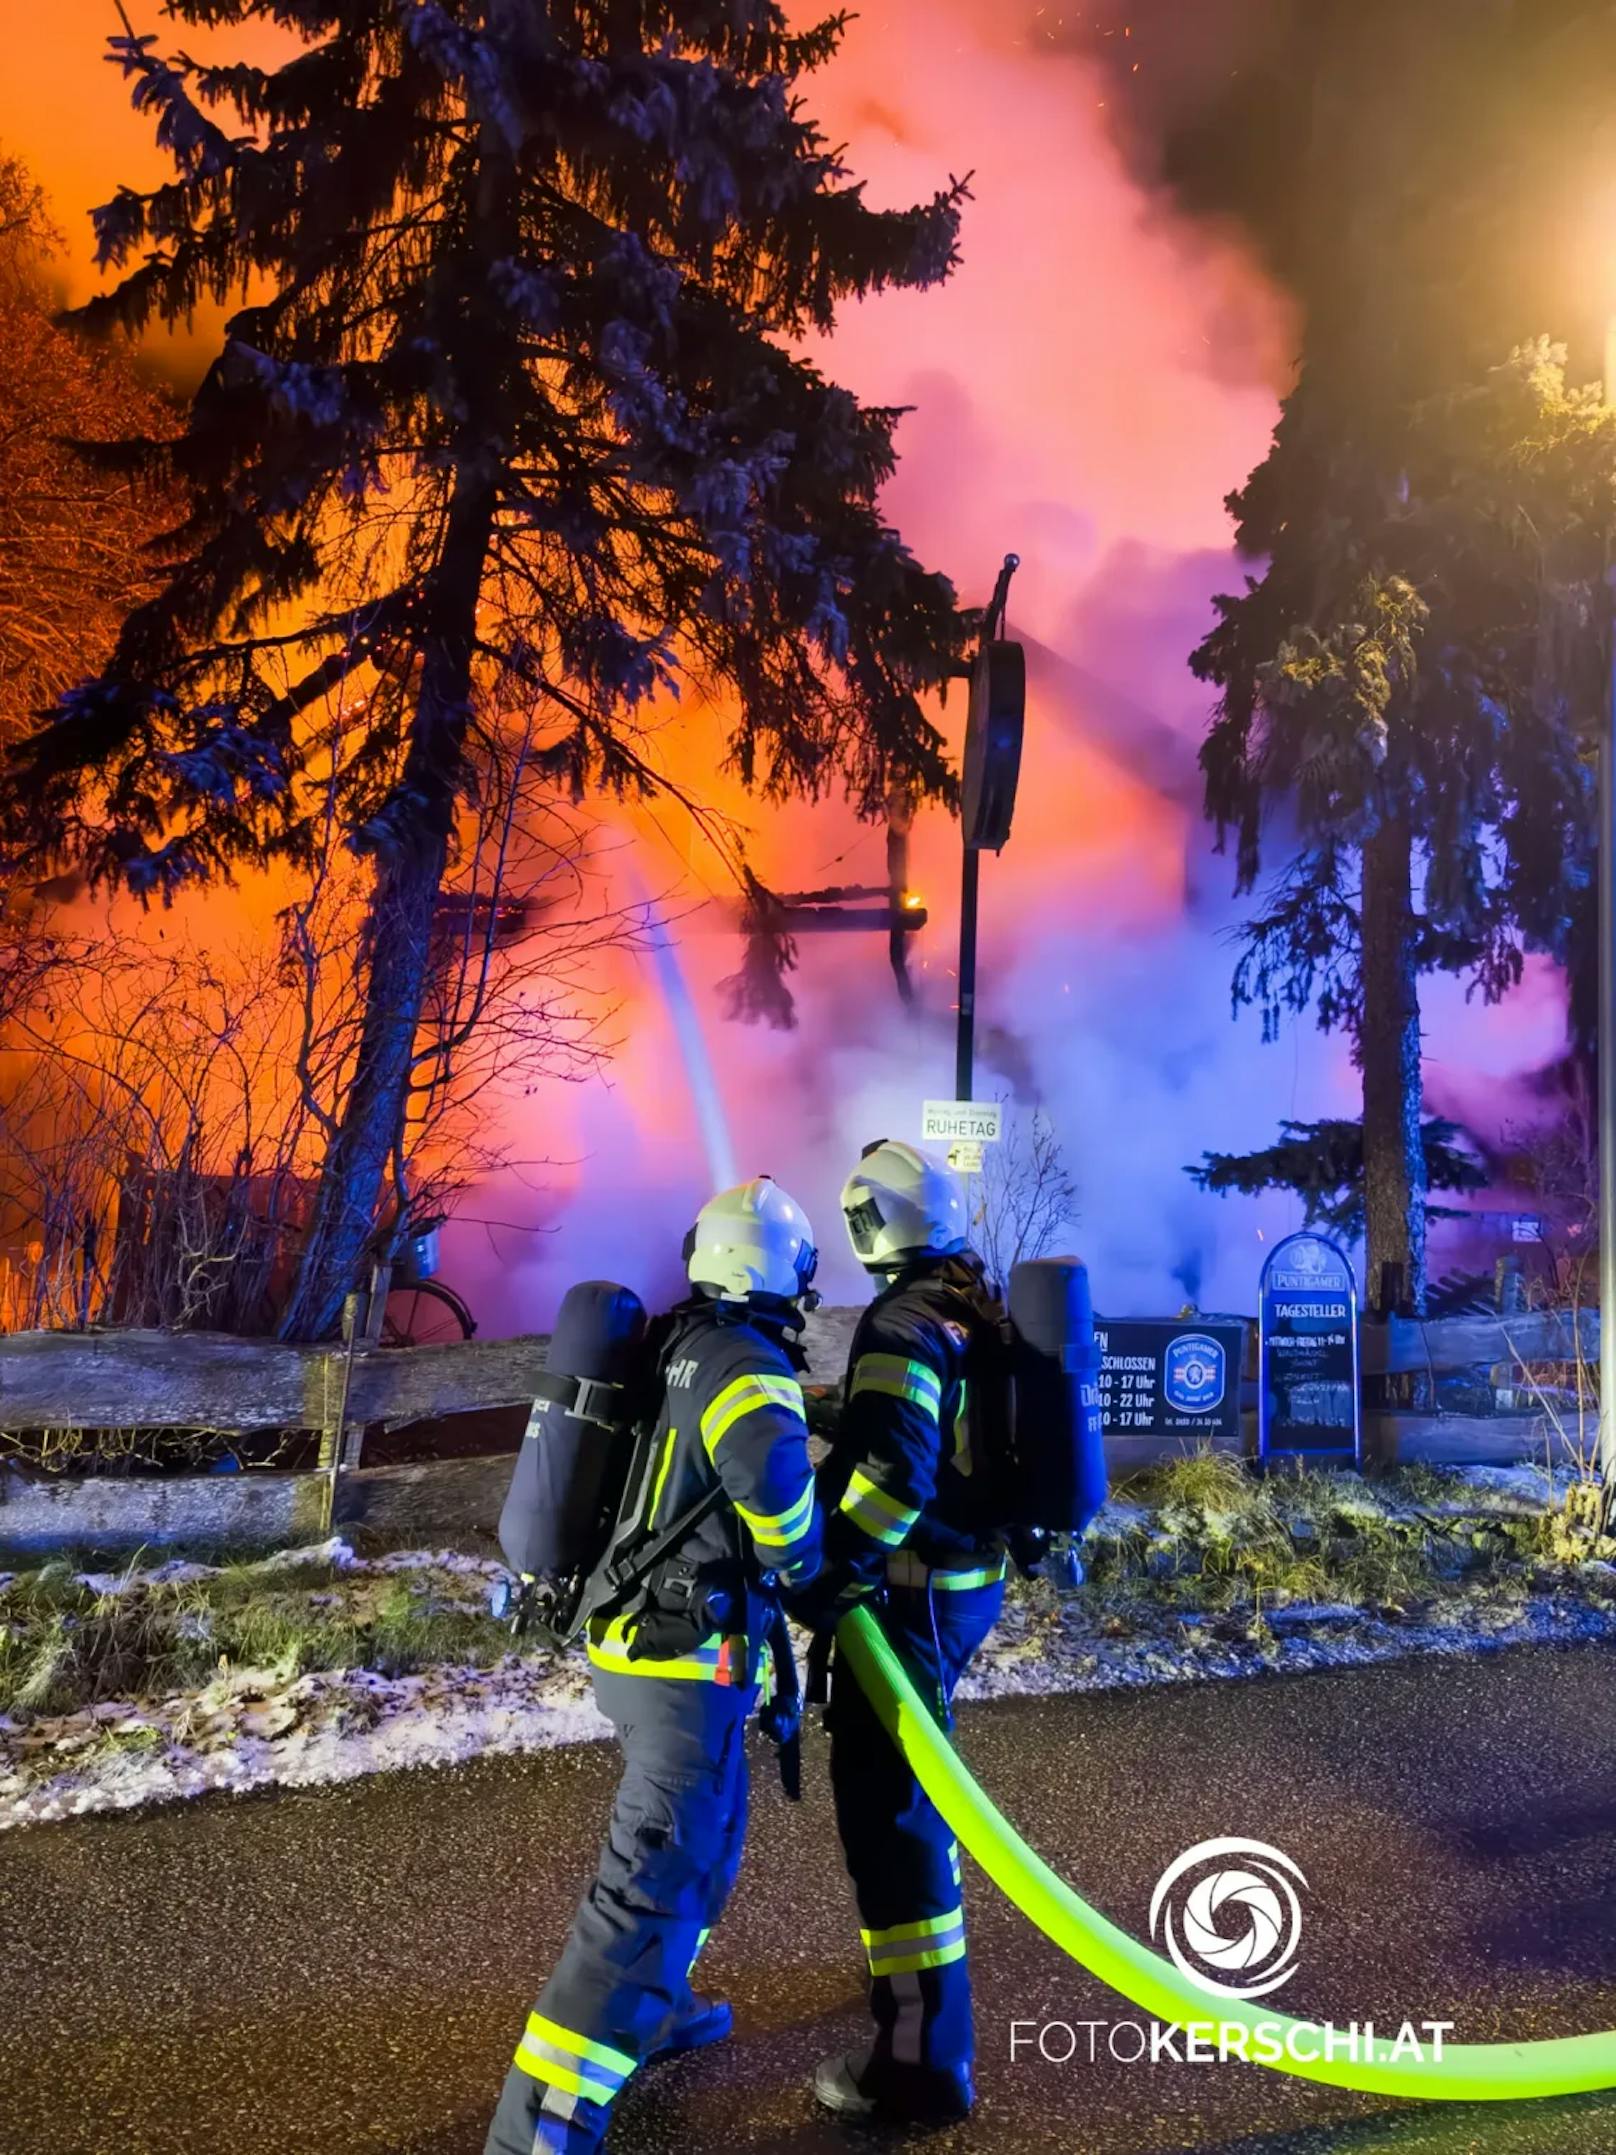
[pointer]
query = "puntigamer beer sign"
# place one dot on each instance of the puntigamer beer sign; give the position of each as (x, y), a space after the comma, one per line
(1307, 1387)
(1170, 1379)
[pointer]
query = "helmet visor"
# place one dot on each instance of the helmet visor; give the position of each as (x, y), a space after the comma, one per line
(864, 1223)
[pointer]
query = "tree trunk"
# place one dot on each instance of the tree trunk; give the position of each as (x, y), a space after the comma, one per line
(409, 873)
(1393, 1099)
(411, 860)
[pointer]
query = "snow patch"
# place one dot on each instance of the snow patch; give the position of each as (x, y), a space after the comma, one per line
(254, 1728)
(258, 1727)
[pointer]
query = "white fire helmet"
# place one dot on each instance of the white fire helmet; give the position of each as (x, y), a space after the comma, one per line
(752, 1240)
(901, 1203)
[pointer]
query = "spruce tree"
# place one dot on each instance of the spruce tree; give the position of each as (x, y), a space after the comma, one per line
(1322, 1163)
(1420, 177)
(512, 410)
(1412, 686)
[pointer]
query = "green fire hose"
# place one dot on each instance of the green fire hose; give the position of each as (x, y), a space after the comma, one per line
(1465, 2072)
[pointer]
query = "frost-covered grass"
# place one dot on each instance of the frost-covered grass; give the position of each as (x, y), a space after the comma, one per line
(71, 1638)
(1204, 1532)
(1203, 1552)
(144, 1684)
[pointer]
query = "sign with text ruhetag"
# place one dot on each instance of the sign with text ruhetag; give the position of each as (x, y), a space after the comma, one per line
(1307, 1372)
(957, 1122)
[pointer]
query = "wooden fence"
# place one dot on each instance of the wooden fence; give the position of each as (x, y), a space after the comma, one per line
(1523, 1366)
(200, 1381)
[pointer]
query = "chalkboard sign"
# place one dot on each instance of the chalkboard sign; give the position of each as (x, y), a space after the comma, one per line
(1307, 1388)
(1162, 1377)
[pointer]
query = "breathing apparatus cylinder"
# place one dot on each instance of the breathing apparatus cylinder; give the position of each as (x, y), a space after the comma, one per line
(1055, 1477)
(577, 1454)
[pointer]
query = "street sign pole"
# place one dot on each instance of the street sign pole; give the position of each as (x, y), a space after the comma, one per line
(992, 764)
(965, 1044)
(1607, 1021)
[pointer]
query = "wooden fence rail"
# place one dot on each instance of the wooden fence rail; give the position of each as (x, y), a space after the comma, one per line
(1530, 1340)
(209, 1380)
(203, 1381)
(213, 1380)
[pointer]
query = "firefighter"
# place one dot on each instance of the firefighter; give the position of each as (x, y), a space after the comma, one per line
(678, 1674)
(904, 1511)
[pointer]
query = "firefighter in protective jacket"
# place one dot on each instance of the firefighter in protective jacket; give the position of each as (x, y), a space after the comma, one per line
(678, 1674)
(904, 1507)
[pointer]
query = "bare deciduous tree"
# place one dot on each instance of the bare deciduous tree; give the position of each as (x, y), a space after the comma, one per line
(168, 1093)
(71, 536)
(1028, 1198)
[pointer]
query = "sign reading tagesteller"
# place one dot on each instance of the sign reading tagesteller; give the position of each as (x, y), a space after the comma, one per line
(1307, 1386)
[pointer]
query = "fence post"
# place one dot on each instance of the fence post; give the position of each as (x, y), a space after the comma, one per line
(367, 1326)
(334, 1430)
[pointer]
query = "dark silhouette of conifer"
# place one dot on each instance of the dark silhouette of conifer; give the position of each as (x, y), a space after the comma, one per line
(512, 409)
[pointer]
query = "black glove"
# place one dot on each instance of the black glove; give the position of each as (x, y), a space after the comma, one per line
(781, 1713)
(828, 1595)
(781, 1721)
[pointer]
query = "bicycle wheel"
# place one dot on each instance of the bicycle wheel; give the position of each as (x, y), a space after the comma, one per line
(426, 1315)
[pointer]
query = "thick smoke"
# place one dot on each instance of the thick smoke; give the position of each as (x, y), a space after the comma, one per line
(1086, 390)
(1103, 369)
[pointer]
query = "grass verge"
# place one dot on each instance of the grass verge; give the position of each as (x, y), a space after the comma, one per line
(1203, 1542)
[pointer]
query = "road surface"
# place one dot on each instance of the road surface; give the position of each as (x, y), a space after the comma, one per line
(330, 1971)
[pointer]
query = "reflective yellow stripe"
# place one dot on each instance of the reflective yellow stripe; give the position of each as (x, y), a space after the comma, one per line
(620, 2062)
(895, 1365)
(933, 1942)
(608, 1649)
(866, 1491)
(899, 1388)
(900, 1379)
(574, 2063)
(539, 2067)
(881, 1516)
(680, 1668)
(668, 1442)
(872, 1523)
(779, 1528)
(747, 1395)
(912, 1963)
(926, 1927)
(953, 1581)
(904, 1568)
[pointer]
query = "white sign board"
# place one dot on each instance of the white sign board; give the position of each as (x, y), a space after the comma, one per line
(965, 1156)
(954, 1122)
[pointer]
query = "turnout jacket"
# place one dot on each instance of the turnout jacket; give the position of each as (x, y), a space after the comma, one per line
(731, 1412)
(902, 1474)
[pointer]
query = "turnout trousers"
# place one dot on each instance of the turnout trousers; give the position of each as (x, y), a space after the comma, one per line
(903, 1860)
(665, 1872)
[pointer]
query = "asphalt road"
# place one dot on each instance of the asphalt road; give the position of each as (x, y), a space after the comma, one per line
(341, 1970)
